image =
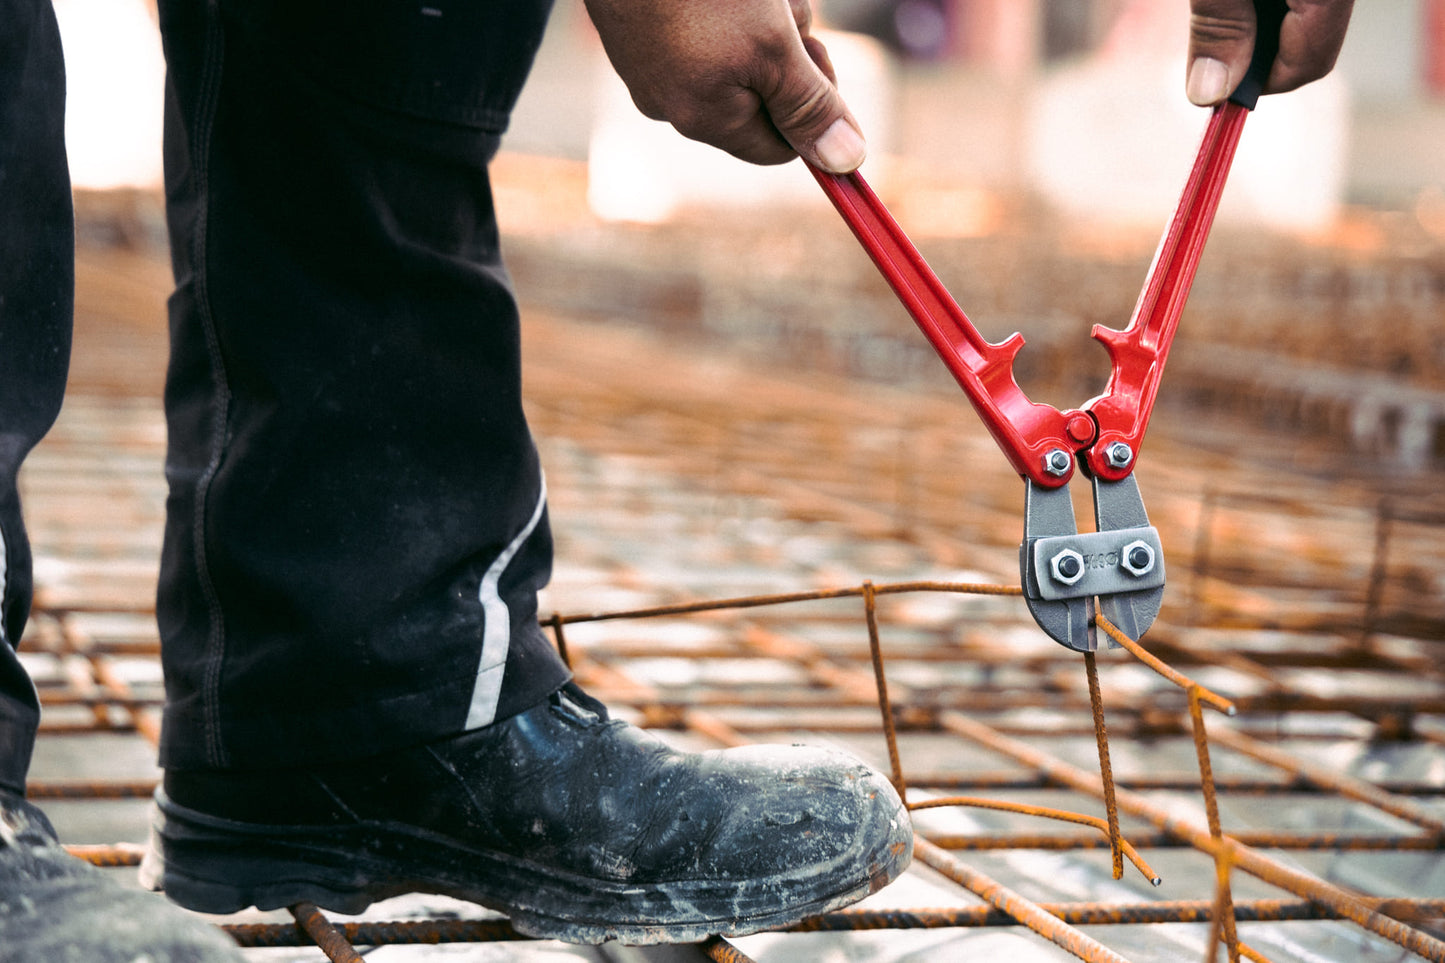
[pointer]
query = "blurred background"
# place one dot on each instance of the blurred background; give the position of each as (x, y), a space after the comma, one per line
(729, 400)
(1034, 150)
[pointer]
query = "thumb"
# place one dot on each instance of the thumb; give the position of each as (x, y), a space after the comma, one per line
(1221, 42)
(810, 114)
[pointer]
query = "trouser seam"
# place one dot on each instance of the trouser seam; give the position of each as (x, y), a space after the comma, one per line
(200, 153)
(4, 585)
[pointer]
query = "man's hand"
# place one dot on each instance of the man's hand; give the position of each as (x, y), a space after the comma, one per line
(742, 75)
(1221, 41)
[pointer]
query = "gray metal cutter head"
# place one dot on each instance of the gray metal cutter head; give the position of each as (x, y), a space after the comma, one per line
(1121, 565)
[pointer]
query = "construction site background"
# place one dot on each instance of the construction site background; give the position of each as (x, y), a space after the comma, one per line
(1033, 149)
(730, 401)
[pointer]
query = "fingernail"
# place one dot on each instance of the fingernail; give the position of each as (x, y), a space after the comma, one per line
(1208, 82)
(841, 148)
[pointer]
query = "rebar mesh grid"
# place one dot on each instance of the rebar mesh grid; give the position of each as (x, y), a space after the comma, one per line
(835, 681)
(1316, 612)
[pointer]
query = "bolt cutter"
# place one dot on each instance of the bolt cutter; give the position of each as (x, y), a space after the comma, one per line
(1119, 566)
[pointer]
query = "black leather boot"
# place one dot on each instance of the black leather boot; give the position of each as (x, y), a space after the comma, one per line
(578, 827)
(54, 907)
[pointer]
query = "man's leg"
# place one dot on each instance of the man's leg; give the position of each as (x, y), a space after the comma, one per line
(36, 293)
(52, 906)
(360, 701)
(356, 528)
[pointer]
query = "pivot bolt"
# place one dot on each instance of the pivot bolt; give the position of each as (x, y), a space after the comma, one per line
(1067, 567)
(1119, 455)
(1137, 559)
(1057, 462)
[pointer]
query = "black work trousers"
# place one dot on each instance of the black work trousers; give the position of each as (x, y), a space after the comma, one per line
(356, 527)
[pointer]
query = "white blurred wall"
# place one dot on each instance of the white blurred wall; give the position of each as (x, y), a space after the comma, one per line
(1109, 135)
(115, 82)
(1113, 136)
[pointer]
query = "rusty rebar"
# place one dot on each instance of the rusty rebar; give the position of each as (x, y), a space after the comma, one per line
(931, 512)
(758, 601)
(325, 934)
(1261, 839)
(1027, 912)
(1116, 842)
(720, 950)
(110, 855)
(91, 789)
(1291, 880)
(1379, 566)
(1106, 914)
(1168, 672)
(378, 933)
(690, 713)
(1234, 785)
(1152, 912)
(1346, 786)
(1223, 924)
(555, 622)
(1203, 541)
(885, 706)
(1106, 770)
(145, 720)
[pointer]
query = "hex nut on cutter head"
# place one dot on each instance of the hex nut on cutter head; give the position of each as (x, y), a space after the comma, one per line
(1067, 567)
(1057, 462)
(1119, 455)
(1137, 558)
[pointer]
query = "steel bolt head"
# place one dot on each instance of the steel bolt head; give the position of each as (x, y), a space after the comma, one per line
(1067, 567)
(1137, 559)
(1057, 462)
(1120, 455)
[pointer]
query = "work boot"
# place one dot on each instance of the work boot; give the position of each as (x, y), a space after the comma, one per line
(55, 908)
(577, 826)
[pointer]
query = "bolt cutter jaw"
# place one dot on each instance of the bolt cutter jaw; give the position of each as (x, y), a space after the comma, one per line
(1065, 573)
(1066, 618)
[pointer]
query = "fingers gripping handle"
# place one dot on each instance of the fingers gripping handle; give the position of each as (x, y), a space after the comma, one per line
(1269, 17)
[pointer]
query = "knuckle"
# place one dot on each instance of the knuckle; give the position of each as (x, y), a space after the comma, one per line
(802, 14)
(1290, 75)
(1221, 23)
(807, 108)
(698, 115)
(1310, 50)
(1212, 30)
(649, 107)
(714, 121)
(695, 125)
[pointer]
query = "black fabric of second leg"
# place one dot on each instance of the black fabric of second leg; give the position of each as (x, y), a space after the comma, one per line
(37, 281)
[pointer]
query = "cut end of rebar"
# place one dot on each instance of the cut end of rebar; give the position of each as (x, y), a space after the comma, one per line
(1230, 710)
(1156, 880)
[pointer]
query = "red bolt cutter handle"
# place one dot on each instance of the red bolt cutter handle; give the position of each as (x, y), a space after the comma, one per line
(1140, 350)
(1028, 431)
(1031, 434)
(1023, 429)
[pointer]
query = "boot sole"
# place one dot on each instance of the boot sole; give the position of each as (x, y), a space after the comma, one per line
(214, 865)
